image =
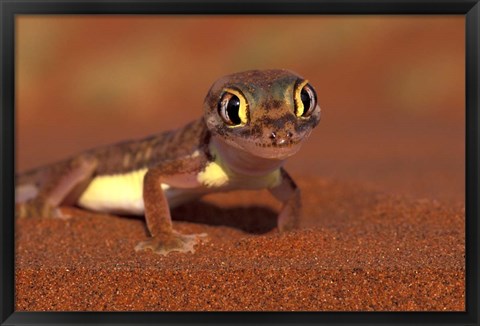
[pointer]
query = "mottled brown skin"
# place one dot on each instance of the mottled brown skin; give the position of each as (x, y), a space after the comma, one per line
(271, 133)
(119, 158)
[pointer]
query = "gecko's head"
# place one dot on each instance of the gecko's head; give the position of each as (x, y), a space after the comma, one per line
(267, 113)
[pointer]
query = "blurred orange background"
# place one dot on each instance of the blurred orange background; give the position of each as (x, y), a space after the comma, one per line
(391, 88)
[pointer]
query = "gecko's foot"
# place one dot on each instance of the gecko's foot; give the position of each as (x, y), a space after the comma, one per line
(162, 244)
(31, 209)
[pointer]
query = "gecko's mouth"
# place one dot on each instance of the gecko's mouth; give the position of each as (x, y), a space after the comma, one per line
(271, 150)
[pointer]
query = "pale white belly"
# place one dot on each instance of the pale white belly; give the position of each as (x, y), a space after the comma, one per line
(123, 194)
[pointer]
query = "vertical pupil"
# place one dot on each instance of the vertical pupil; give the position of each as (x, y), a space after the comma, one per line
(305, 100)
(233, 108)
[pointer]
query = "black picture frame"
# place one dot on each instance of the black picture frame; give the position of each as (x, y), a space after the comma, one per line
(10, 8)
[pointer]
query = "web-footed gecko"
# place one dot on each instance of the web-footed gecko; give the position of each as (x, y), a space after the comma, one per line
(253, 121)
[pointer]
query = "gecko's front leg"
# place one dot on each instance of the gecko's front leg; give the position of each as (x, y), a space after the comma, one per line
(164, 238)
(289, 194)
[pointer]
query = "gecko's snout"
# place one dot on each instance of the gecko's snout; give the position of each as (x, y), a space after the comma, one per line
(280, 138)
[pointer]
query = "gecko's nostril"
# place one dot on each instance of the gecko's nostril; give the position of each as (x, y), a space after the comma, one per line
(280, 138)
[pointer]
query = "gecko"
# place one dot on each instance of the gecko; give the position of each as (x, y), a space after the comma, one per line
(252, 122)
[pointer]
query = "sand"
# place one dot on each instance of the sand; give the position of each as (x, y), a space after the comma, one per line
(358, 249)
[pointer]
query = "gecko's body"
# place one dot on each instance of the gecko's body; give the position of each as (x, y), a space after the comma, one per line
(253, 121)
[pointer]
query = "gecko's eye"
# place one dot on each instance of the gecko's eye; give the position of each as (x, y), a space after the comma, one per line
(232, 108)
(305, 100)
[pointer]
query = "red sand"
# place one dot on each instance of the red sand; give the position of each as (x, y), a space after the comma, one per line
(358, 249)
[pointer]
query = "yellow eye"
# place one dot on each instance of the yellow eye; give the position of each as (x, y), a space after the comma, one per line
(233, 108)
(305, 99)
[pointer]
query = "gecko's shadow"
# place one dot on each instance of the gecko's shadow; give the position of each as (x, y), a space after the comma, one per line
(252, 219)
